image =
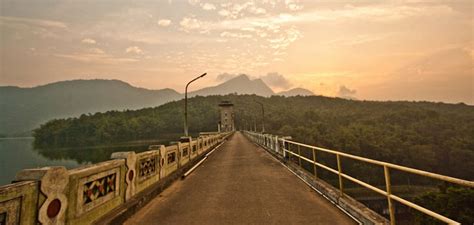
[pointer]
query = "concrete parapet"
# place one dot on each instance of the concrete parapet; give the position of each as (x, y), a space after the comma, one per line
(55, 195)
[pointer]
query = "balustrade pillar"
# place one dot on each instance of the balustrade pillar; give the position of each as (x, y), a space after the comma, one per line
(131, 174)
(53, 185)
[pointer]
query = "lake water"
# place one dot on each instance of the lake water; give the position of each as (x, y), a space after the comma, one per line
(18, 153)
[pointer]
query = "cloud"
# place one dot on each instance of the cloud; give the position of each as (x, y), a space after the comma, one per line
(293, 5)
(257, 10)
(358, 39)
(285, 39)
(224, 12)
(35, 22)
(276, 80)
(236, 10)
(345, 92)
(194, 2)
(164, 22)
(95, 55)
(375, 13)
(134, 49)
(235, 35)
(88, 41)
(39, 27)
(188, 24)
(208, 6)
(96, 51)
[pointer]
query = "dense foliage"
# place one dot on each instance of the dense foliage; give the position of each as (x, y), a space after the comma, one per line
(451, 202)
(433, 136)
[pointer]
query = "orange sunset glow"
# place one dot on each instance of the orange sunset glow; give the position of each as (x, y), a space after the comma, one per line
(367, 50)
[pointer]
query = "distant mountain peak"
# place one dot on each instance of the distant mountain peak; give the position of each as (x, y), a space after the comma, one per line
(296, 92)
(80, 82)
(241, 77)
(241, 84)
(259, 80)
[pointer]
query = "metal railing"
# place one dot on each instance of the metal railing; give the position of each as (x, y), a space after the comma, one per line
(277, 144)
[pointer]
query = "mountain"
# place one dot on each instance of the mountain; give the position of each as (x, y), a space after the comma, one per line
(240, 84)
(22, 109)
(296, 92)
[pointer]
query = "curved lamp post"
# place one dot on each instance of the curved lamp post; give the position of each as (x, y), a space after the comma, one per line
(186, 134)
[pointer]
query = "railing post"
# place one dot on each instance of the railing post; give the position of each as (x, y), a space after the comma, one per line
(299, 155)
(339, 168)
(388, 184)
(289, 151)
(315, 168)
(277, 147)
(272, 143)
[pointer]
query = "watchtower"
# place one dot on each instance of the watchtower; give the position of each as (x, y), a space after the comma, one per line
(227, 116)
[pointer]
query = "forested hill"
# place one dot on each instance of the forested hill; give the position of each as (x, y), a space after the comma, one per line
(26, 108)
(432, 136)
(23, 109)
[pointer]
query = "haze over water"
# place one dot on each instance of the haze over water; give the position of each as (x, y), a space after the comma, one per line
(17, 154)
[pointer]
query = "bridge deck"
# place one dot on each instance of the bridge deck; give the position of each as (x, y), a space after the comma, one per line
(240, 184)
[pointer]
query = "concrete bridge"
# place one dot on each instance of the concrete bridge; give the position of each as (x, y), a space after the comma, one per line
(231, 178)
(240, 184)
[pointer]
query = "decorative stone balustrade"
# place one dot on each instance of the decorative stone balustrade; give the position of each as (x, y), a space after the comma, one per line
(55, 195)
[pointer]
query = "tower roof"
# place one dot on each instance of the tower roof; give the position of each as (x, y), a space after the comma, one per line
(226, 103)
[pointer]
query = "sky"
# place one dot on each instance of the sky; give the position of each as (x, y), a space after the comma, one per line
(373, 50)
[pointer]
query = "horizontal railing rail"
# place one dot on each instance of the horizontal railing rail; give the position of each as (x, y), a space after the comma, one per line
(274, 143)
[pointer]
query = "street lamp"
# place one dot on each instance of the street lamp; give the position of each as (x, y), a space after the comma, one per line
(186, 134)
(263, 116)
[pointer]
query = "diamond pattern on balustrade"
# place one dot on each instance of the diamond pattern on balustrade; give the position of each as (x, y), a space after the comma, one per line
(99, 188)
(147, 167)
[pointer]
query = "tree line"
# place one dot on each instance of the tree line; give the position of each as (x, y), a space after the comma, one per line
(436, 137)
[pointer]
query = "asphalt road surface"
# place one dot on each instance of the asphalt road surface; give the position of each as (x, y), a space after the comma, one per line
(240, 183)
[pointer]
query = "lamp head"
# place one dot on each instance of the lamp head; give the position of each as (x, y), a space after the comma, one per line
(204, 74)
